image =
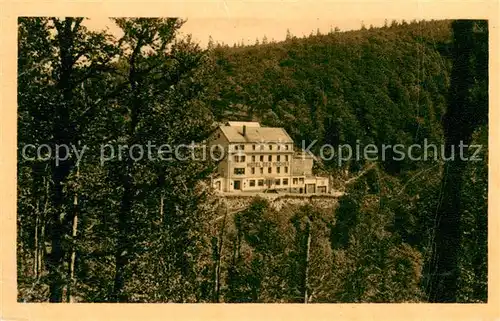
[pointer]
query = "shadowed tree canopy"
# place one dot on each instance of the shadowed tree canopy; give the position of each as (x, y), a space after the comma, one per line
(139, 226)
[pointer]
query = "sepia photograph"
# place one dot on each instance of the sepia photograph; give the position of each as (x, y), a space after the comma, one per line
(205, 160)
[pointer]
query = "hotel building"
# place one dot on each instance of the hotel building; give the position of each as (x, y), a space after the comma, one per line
(258, 158)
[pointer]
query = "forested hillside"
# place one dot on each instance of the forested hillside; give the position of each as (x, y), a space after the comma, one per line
(388, 85)
(148, 231)
(383, 85)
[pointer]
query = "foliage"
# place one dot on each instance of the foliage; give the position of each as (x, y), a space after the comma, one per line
(149, 230)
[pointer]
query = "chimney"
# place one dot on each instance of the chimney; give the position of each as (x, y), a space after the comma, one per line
(244, 130)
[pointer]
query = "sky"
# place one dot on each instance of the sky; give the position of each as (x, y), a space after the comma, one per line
(234, 21)
(236, 30)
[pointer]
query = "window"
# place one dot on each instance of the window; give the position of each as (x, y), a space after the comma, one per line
(277, 181)
(285, 181)
(270, 158)
(286, 147)
(253, 158)
(235, 147)
(278, 170)
(269, 170)
(242, 147)
(239, 159)
(270, 147)
(301, 180)
(286, 158)
(295, 181)
(286, 169)
(279, 146)
(253, 170)
(278, 158)
(260, 182)
(252, 182)
(261, 158)
(262, 170)
(253, 147)
(239, 171)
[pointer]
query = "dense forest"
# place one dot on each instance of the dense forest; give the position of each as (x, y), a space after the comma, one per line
(134, 229)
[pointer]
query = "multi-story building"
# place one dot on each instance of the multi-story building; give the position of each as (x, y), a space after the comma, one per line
(258, 158)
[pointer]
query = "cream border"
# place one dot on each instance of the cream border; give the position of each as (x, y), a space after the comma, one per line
(11, 310)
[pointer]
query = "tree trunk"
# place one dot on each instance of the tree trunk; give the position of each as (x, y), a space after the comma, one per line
(218, 258)
(42, 248)
(37, 223)
(123, 245)
(444, 262)
(162, 206)
(462, 116)
(63, 135)
(306, 261)
(71, 282)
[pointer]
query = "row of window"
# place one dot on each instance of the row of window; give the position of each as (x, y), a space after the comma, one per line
(261, 147)
(298, 180)
(241, 171)
(260, 182)
(277, 181)
(242, 158)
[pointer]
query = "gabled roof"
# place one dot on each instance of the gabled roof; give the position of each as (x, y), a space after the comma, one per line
(243, 123)
(234, 134)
